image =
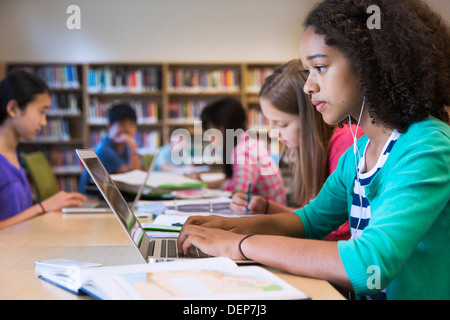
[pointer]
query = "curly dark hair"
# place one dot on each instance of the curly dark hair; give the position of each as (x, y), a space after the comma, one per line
(403, 68)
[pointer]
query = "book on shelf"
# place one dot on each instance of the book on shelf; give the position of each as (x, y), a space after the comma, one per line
(98, 111)
(119, 79)
(198, 81)
(96, 136)
(148, 141)
(186, 111)
(256, 118)
(194, 279)
(256, 77)
(146, 111)
(55, 130)
(56, 76)
(64, 160)
(64, 104)
(68, 184)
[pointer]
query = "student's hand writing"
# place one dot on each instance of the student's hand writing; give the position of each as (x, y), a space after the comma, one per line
(215, 242)
(239, 203)
(63, 199)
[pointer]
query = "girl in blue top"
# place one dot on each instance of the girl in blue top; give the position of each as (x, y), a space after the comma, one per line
(24, 101)
(393, 185)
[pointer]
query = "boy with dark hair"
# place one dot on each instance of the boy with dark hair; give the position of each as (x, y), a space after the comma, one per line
(118, 150)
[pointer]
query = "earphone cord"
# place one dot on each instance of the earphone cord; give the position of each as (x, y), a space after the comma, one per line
(356, 150)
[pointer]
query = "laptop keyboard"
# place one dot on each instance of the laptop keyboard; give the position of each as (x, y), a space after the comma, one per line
(169, 250)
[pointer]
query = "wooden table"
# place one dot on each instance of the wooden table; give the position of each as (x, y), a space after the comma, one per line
(87, 237)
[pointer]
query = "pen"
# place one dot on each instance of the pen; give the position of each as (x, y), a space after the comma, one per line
(177, 224)
(248, 196)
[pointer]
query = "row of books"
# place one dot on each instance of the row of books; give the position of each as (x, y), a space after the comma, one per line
(56, 76)
(63, 104)
(95, 136)
(64, 160)
(55, 130)
(68, 183)
(116, 79)
(256, 118)
(147, 112)
(196, 80)
(186, 110)
(256, 77)
(148, 141)
(122, 78)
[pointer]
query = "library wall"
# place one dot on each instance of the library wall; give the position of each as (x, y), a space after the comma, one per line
(157, 30)
(153, 30)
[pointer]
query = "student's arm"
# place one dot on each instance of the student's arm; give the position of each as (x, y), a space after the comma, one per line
(305, 257)
(278, 242)
(56, 202)
(284, 224)
(312, 258)
(29, 213)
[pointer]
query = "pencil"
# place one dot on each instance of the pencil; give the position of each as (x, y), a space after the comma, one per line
(248, 196)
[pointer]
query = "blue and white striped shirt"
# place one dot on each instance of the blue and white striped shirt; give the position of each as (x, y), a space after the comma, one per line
(360, 210)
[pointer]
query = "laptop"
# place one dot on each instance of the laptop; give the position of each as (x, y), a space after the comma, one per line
(96, 207)
(151, 249)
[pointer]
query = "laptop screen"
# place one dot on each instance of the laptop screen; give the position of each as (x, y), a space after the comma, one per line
(115, 200)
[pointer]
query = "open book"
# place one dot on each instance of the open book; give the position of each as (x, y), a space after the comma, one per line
(158, 182)
(208, 278)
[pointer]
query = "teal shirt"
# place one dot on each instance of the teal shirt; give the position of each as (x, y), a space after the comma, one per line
(405, 246)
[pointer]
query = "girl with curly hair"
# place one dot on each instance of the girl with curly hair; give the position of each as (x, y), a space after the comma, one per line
(393, 185)
(312, 147)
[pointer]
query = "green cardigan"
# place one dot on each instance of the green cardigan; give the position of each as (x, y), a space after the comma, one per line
(408, 236)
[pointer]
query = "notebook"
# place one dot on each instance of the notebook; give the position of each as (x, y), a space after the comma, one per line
(151, 249)
(103, 206)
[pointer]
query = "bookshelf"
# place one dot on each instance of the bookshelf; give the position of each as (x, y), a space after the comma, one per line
(139, 84)
(165, 96)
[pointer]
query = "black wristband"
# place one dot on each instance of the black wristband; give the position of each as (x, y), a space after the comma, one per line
(42, 208)
(240, 243)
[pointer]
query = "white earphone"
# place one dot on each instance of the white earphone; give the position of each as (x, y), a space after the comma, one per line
(356, 151)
